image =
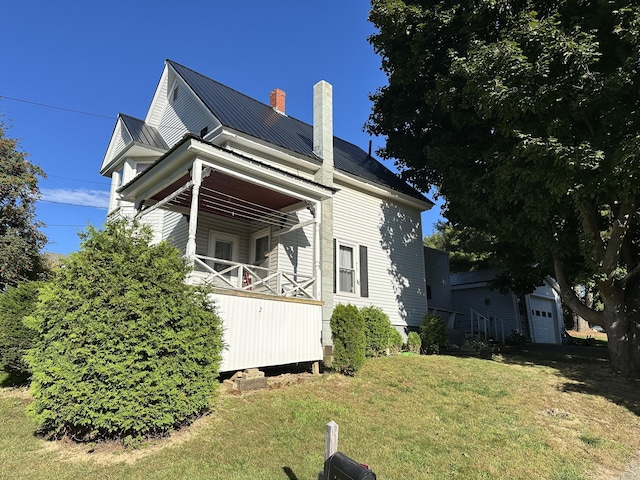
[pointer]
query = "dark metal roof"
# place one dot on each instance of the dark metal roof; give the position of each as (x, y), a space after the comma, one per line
(245, 114)
(143, 133)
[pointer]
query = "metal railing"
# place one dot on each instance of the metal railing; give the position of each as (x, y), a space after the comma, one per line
(240, 276)
(487, 325)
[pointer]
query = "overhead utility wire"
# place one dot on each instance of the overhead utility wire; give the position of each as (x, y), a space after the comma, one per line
(72, 204)
(56, 107)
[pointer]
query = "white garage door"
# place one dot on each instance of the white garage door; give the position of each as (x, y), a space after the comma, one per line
(543, 320)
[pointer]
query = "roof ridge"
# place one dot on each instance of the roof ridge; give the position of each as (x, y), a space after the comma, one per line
(254, 99)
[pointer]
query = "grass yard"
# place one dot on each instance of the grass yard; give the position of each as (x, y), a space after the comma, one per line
(538, 414)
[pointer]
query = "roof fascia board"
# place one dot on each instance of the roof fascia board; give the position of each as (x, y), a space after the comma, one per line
(157, 100)
(115, 133)
(381, 191)
(179, 160)
(293, 158)
(240, 166)
(193, 93)
(153, 152)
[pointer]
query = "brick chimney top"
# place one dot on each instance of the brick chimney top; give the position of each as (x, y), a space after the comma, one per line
(276, 99)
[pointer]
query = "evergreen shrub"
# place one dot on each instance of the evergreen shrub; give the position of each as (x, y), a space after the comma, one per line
(125, 348)
(347, 328)
(414, 342)
(395, 341)
(377, 325)
(433, 333)
(15, 337)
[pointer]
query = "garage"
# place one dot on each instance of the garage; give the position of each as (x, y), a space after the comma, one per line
(543, 317)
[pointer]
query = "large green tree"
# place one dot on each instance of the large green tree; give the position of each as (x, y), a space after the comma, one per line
(20, 239)
(526, 117)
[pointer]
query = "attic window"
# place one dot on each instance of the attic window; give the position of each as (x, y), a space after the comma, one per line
(175, 93)
(204, 131)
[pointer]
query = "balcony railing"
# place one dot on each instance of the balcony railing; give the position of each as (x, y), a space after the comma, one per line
(251, 278)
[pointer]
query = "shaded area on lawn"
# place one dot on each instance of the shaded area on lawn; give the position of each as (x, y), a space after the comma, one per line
(588, 366)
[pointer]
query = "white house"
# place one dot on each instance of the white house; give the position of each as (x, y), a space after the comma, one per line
(484, 310)
(283, 218)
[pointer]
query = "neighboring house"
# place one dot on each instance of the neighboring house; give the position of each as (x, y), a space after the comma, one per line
(437, 274)
(283, 218)
(483, 310)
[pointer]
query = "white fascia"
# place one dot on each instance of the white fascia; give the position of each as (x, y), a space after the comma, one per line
(228, 137)
(382, 192)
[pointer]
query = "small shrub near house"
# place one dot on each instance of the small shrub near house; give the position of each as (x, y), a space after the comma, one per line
(15, 337)
(125, 349)
(413, 342)
(347, 328)
(433, 333)
(395, 341)
(377, 331)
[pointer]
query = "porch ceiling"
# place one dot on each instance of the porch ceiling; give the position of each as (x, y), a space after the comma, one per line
(229, 196)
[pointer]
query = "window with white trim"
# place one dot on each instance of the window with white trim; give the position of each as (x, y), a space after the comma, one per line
(346, 269)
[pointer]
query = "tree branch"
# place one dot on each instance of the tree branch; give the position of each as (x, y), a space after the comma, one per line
(569, 297)
(592, 231)
(619, 230)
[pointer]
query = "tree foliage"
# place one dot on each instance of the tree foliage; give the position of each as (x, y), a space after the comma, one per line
(20, 239)
(469, 249)
(525, 115)
(125, 348)
(15, 337)
(349, 340)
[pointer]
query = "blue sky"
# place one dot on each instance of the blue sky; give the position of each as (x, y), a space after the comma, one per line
(103, 58)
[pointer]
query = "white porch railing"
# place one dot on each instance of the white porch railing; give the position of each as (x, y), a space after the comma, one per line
(241, 276)
(487, 325)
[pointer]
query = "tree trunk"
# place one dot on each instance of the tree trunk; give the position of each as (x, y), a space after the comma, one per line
(622, 322)
(579, 323)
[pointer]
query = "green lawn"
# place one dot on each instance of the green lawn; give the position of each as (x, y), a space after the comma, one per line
(538, 414)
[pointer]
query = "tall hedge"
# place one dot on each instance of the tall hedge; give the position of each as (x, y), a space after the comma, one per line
(15, 337)
(377, 331)
(433, 333)
(125, 349)
(347, 328)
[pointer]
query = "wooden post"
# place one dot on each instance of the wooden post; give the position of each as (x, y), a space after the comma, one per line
(331, 439)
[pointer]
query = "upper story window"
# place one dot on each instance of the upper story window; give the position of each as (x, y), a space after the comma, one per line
(174, 95)
(346, 269)
(141, 167)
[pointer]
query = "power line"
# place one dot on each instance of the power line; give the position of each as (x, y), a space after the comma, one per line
(46, 225)
(56, 107)
(72, 204)
(78, 180)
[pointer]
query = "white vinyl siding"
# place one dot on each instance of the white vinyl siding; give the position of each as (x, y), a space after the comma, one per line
(393, 237)
(185, 114)
(176, 229)
(224, 226)
(295, 252)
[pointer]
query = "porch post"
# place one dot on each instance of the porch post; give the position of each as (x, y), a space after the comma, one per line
(317, 269)
(196, 177)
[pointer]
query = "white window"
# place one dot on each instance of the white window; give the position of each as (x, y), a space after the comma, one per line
(141, 167)
(346, 269)
(223, 247)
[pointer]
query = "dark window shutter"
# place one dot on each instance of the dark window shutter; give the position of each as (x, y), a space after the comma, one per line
(335, 267)
(364, 272)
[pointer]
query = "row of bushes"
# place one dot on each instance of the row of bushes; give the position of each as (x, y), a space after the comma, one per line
(367, 332)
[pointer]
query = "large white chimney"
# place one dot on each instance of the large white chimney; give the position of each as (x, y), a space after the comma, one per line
(323, 130)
